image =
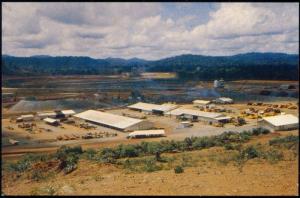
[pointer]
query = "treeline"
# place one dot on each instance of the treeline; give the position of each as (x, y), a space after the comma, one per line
(268, 66)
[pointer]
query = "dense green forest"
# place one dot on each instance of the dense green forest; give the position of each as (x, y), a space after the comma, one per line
(242, 66)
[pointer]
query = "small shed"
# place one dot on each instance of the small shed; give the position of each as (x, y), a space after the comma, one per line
(51, 121)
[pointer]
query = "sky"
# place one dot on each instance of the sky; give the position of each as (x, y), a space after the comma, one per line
(148, 30)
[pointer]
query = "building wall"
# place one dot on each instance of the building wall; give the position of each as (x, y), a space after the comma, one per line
(144, 125)
(266, 124)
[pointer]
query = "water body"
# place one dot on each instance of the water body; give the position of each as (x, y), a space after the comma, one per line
(183, 91)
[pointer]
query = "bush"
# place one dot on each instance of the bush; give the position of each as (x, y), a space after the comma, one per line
(204, 142)
(178, 169)
(273, 155)
(286, 141)
(68, 157)
(250, 152)
(232, 146)
(25, 162)
(70, 163)
(106, 155)
(90, 154)
(150, 166)
(38, 175)
(126, 151)
(258, 131)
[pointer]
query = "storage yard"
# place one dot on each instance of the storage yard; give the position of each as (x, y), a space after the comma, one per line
(103, 109)
(52, 129)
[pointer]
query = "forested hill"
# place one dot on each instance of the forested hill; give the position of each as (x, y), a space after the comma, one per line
(242, 66)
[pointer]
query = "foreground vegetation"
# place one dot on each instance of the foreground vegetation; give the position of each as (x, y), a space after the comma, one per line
(147, 156)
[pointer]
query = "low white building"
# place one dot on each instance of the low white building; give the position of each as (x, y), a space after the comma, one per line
(51, 121)
(28, 117)
(224, 100)
(280, 122)
(201, 103)
(43, 115)
(68, 113)
(147, 133)
(114, 121)
(197, 115)
(153, 108)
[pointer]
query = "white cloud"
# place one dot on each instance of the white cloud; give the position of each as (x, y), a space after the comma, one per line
(139, 30)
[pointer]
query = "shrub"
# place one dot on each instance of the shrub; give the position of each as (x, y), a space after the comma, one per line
(106, 155)
(273, 155)
(90, 154)
(203, 142)
(24, 163)
(68, 157)
(178, 169)
(64, 151)
(38, 175)
(70, 163)
(126, 151)
(150, 166)
(258, 131)
(232, 146)
(286, 141)
(250, 152)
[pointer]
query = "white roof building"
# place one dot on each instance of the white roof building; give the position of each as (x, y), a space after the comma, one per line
(147, 133)
(152, 107)
(27, 117)
(200, 115)
(114, 121)
(68, 112)
(47, 114)
(50, 120)
(201, 102)
(224, 100)
(281, 122)
(181, 111)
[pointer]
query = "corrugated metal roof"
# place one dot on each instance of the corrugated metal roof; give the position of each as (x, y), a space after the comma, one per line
(27, 116)
(148, 132)
(50, 120)
(223, 118)
(47, 114)
(225, 99)
(202, 102)
(281, 120)
(68, 112)
(117, 121)
(151, 107)
(193, 112)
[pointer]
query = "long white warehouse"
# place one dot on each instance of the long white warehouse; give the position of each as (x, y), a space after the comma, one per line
(152, 108)
(114, 121)
(280, 122)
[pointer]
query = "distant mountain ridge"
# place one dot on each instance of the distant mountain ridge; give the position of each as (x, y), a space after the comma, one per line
(241, 66)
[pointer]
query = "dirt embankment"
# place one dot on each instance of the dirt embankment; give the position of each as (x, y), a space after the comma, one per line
(208, 177)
